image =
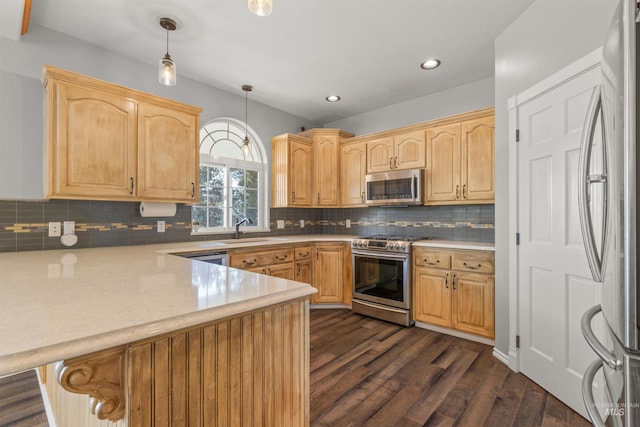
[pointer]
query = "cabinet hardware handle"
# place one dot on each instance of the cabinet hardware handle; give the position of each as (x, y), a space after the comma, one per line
(457, 191)
(395, 162)
(464, 191)
(453, 282)
(279, 258)
(298, 272)
(244, 261)
(446, 280)
(193, 189)
(390, 162)
(432, 262)
(362, 197)
(317, 254)
(318, 198)
(131, 192)
(305, 254)
(471, 267)
(267, 270)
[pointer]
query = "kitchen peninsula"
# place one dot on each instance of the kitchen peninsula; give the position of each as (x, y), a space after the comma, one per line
(149, 335)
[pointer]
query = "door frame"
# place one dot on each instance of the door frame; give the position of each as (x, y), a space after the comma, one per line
(577, 68)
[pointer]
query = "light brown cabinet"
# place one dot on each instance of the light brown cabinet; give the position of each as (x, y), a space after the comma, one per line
(460, 162)
(401, 151)
(455, 289)
(353, 159)
(277, 262)
(303, 256)
(291, 171)
(107, 142)
(329, 273)
(326, 159)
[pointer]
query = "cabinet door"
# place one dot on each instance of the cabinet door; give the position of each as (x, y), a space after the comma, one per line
(300, 173)
(443, 164)
(473, 303)
(94, 144)
(303, 271)
(167, 154)
(380, 155)
(284, 271)
(432, 296)
(327, 169)
(328, 272)
(409, 149)
(478, 160)
(354, 168)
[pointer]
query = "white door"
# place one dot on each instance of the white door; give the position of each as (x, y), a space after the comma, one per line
(554, 280)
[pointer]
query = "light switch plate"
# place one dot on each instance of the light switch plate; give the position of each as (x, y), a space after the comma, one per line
(69, 227)
(302, 223)
(280, 223)
(160, 226)
(54, 229)
(347, 223)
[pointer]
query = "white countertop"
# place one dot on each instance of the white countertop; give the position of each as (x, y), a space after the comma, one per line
(455, 244)
(59, 304)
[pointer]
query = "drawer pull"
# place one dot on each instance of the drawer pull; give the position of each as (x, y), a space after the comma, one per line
(453, 282)
(471, 267)
(281, 258)
(436, 262)
(305, 254)
(249, 262)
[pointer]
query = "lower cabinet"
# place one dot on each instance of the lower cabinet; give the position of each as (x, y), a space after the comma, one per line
(455, 289)
(277, 262)
(329, 273)
(303, 256)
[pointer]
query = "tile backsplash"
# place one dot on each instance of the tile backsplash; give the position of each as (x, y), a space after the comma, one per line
(24, 225)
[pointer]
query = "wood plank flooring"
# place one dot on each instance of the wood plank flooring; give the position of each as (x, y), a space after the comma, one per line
(367, 372)
(20, 401)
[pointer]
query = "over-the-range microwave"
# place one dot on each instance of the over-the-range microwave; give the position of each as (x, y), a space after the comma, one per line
(395, 188)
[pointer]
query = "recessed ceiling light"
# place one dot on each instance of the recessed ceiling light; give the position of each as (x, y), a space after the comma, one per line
(333, 98)
(430, 64)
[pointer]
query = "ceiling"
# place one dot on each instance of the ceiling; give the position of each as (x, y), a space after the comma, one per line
(367, 51)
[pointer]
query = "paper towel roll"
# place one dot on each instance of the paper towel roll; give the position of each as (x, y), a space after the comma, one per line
(148, 209)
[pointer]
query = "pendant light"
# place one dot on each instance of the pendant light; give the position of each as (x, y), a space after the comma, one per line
(260, 7)
(246, 149)
(167, 68)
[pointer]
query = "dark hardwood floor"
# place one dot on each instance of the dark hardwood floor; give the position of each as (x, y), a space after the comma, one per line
(366, 372)
(20, 401)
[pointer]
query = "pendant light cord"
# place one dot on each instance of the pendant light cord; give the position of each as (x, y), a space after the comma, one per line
(246, 114)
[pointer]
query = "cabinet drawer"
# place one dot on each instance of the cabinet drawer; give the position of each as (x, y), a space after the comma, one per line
(474, 262)
(303, 252)
(433, 259)
(263, 258)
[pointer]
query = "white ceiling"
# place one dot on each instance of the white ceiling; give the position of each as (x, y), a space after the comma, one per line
(366, 51)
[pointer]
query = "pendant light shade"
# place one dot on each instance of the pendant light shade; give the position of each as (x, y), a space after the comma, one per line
(167, 67)
(246, 148)
(260, 7)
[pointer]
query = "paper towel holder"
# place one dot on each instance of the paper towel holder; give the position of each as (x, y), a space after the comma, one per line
(157, 209)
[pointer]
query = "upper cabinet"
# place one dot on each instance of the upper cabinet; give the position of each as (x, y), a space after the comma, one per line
(401, 151)
(353, 162)
(108, 142)
(460, 162)
(305, 168)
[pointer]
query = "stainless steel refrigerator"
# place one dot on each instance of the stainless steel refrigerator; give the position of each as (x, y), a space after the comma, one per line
(608, 205)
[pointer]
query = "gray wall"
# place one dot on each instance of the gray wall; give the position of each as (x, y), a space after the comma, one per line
(21, 100)
(460, 99)
(548, 36)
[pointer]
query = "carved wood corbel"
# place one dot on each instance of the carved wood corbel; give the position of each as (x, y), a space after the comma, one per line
(101, 375)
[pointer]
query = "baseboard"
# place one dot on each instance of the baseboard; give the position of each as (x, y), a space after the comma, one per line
(501, 356)
(455, 333)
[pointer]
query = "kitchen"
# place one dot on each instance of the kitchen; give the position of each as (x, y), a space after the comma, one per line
(567, 34)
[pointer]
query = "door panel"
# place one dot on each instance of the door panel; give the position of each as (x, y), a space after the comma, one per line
(432, 301)
(554, 277)
(443, 163)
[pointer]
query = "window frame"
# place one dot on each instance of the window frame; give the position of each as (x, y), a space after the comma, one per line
(260, 167)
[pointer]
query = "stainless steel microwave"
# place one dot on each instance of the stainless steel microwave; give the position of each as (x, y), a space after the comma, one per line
(397, 188)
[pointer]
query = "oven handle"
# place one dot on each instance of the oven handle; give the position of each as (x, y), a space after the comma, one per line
(400, 257)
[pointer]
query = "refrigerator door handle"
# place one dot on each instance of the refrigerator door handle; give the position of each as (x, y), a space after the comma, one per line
(585, 180)
(587, 393)
(605, 355)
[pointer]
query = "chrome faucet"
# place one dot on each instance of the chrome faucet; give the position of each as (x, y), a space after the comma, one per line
(239, 223)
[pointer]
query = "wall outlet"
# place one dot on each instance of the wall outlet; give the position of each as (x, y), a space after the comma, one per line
(54, 229)
(160, 226)
(302, 223)
(69, 227)
(347, 223)
(280, 223)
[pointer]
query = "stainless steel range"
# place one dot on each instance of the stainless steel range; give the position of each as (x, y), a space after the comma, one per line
(382, 277)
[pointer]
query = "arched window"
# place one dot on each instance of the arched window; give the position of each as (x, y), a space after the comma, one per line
(232, 187)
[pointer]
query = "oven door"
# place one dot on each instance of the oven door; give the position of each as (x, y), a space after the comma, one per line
(382, 278)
